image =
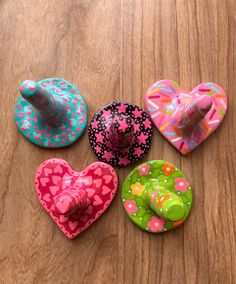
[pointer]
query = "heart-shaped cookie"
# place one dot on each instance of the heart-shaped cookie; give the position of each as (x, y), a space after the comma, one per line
(74, 199)
(186, 119)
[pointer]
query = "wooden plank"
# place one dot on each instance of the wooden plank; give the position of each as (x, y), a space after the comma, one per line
(113, 50)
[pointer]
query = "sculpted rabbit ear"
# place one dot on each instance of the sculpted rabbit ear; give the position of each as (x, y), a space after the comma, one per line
(50, 113)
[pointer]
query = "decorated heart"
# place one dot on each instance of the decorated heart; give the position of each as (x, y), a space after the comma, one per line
(186, 119)
(74, 199)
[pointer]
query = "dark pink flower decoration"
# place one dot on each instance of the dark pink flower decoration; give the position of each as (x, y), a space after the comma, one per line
(144, 170)
(130, 206)
(156, 224)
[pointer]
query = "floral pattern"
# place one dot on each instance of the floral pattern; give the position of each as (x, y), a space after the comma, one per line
(156, 224)
(168, 169)
(144, 170)
(141, 188)
(130, 206)
(181, 184)
(137, 189)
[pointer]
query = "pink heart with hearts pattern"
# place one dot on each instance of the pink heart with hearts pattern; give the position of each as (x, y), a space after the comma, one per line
(58, 186)
(185, 119)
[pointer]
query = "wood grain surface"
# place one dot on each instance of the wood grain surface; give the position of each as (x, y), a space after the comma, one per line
(113, 50)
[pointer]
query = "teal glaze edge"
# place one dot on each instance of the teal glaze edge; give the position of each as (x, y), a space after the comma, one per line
(83, 125)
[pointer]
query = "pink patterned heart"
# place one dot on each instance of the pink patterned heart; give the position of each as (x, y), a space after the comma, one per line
(47, 171)
(107, 179)
(97, 200)
(186, 119)
(54, 189)
(98, 182)
(72, 201)
(56, 179)
(44, 181)
(58, 169)
(90, 191)
(105, 189)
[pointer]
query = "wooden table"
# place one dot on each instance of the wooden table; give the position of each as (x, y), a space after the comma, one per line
(113, 50)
